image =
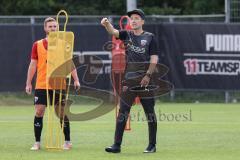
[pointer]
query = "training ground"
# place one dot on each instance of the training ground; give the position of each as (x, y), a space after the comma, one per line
(204, 132)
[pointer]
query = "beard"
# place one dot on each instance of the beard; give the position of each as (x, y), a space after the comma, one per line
(137, 28)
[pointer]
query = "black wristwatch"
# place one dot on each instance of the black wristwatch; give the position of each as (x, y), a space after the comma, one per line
(148, 74)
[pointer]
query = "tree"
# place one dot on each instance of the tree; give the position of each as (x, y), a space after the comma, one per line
(109, 7)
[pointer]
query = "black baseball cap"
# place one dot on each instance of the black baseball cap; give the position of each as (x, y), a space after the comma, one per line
(138, 12)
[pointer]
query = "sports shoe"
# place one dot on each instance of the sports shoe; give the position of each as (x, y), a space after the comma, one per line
(36, 146)
(67, 145)
(113, 149)
(150, 149)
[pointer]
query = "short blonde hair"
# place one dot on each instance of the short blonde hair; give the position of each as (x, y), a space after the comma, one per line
(49, 19)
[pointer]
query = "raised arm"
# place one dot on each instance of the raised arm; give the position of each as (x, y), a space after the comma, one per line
(109, 27)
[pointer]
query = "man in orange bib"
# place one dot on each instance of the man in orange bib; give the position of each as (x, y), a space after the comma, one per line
(39, 63)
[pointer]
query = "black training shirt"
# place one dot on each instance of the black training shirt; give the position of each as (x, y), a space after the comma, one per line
(138, 48)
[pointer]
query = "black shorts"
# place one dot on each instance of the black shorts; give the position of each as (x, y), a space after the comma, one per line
(40, 96)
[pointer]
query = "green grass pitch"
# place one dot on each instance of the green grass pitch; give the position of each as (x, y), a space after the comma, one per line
(211, 133)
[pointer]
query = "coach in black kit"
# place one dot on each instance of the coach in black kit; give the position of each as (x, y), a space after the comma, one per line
(141, 58)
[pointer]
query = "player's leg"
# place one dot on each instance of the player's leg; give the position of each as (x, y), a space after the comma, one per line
(66, 130)
(40, 105)
(148, 106)
(64, 120)
(126, 102)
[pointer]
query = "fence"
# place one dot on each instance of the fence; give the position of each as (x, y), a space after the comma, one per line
(234, 10)
(86, 20)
